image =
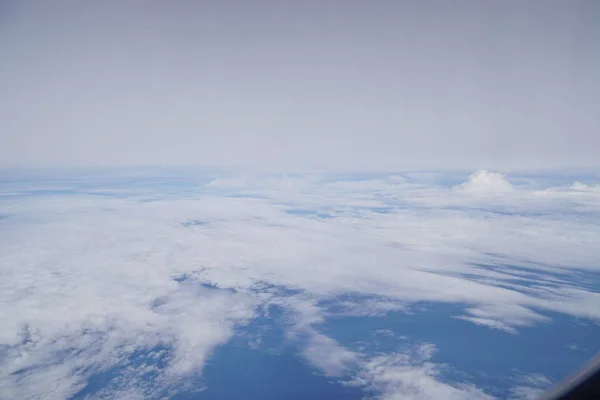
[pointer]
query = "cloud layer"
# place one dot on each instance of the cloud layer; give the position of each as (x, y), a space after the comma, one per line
(99, 268)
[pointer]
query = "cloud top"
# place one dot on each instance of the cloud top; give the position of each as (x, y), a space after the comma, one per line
(486, 182)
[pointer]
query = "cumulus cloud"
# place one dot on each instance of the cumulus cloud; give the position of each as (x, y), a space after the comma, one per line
(485, 182)
(98, 274)
(410, 375)
(328, 355)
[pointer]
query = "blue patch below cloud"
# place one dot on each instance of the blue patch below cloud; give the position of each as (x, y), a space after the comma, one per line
(487, 358)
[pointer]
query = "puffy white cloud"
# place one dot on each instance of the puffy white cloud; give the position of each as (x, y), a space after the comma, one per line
(411, 375)
(329, 356)
(483, 182)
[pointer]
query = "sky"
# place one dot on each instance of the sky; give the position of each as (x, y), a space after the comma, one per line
(301, 85)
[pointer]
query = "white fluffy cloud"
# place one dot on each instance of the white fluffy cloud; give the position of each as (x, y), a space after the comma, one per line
(410, 375)
(90, 277)
(486, 182)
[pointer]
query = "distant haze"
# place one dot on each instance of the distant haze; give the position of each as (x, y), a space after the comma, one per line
(301, 84)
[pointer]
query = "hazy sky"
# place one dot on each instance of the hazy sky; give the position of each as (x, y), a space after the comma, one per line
(301, 84)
